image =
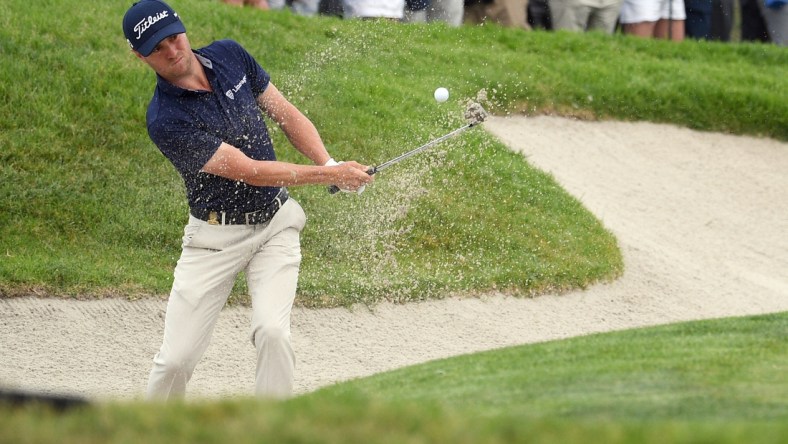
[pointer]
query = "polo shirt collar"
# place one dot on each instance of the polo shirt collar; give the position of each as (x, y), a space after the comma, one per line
(204, 60)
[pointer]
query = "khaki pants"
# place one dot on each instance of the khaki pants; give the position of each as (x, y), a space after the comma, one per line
(585, 15)
(510, 13)
(212, 257)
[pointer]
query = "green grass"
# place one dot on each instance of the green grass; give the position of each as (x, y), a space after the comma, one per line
(721, 370)
(89, 207)
(720, 381)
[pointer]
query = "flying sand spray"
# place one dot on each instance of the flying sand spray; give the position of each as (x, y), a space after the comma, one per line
(474, 115)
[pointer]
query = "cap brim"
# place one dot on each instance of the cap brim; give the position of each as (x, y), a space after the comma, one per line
(171, 29)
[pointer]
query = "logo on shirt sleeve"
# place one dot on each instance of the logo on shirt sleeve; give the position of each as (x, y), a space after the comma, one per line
(231, 92)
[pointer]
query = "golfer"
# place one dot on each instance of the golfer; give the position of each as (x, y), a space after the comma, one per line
(205, 117)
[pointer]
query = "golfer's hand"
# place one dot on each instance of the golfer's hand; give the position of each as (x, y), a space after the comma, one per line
(350, 177)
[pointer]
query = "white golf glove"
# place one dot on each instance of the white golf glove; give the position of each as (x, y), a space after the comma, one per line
(332, 162)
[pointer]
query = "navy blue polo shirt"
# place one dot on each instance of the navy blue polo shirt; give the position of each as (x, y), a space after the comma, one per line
(188, 127)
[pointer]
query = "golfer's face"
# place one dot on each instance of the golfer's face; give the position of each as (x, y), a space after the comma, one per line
(172, 57)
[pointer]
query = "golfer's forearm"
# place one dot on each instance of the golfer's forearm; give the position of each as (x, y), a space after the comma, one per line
(348, 176)
(229, 162)
(298, 129)
(281, 174)
(303, 135)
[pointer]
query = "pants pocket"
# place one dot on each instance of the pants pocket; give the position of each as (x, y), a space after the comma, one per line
(190, 231)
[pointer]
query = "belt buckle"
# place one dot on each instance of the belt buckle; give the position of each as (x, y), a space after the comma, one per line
(213, 218)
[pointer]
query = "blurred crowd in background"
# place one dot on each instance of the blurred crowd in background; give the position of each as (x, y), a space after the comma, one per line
(755, 20)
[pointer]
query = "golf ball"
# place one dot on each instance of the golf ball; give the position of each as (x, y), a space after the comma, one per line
(441, 94)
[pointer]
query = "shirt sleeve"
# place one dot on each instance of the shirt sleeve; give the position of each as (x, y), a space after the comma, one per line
(188, 148)
(257, 76)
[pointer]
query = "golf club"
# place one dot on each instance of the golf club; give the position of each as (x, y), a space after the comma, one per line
(474, 115)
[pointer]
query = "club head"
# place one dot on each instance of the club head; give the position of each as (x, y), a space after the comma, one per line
(475, 114)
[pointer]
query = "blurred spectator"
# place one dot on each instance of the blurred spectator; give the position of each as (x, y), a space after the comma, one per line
(416, 11)
(259, 4)
(510, 13)
(663, 19)
(539, 15)
(331, 7)
(302, 7)
(775, 13)
(698, 23)
(390, 9)
(753, 26)
(764, 23)
(585, 15)
(721, 20)
(447, 11)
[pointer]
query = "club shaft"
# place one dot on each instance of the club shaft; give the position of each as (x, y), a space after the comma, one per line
(413, 152)
(333, 189)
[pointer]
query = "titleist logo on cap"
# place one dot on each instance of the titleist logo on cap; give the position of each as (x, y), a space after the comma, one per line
(149, 21)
